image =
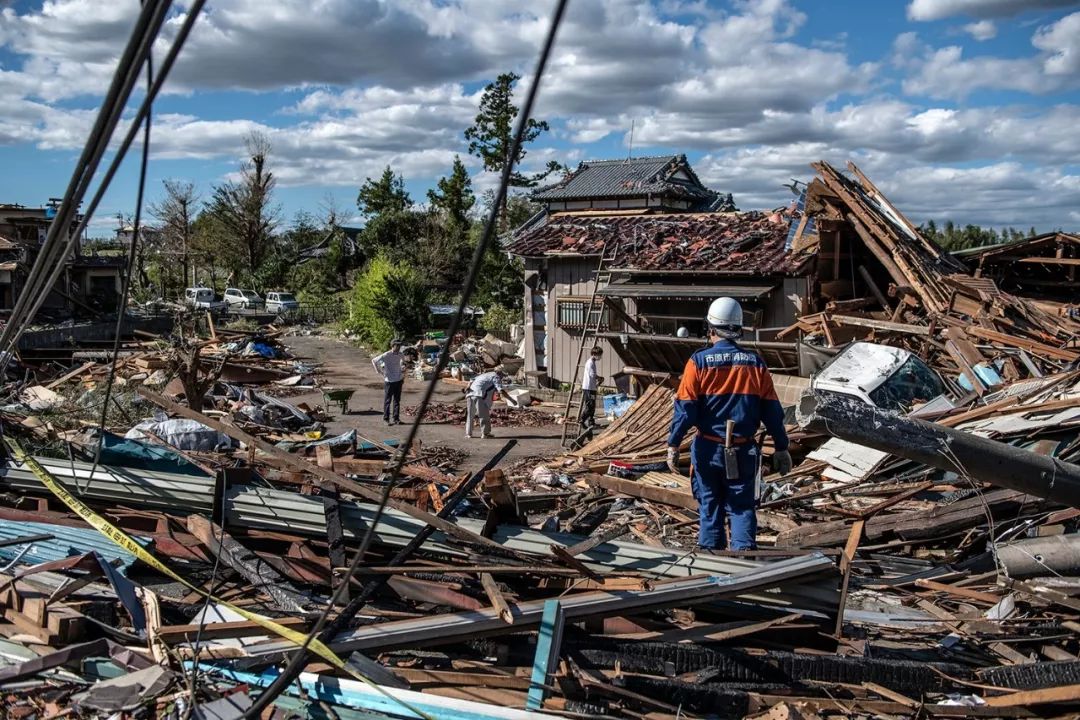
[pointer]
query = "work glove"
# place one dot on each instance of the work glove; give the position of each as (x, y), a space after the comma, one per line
(781, 462)
(673, 459)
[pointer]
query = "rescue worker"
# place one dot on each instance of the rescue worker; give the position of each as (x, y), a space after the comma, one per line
(479, 396)
(590, 384)
(388, 364)
(725, 382)
(682, 332)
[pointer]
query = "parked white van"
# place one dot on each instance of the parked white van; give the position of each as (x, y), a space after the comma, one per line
(202, 298)
(277, 302)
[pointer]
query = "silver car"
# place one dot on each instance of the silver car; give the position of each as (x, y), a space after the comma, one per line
(239, 299)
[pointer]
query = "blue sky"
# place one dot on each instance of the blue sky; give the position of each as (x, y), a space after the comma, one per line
(961, 109)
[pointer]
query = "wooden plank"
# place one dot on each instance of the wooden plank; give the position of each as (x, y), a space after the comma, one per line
(1030, 345)
(884, 325)
(678, 498)
(845, 568)
(261, 574)
(296, 463)
(1051, 261)
(67, 376)
(1065, 693)
(468, 679)
(495, 596)
(957, 591)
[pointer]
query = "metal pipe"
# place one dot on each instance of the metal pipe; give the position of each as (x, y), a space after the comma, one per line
(941, 447)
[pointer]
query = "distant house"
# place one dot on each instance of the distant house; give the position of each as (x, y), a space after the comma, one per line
(664, 183)
(350, 245)
(85, 281)
(1045, 266)
(671, 245)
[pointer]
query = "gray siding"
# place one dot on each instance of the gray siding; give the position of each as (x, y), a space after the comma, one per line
(572, 277)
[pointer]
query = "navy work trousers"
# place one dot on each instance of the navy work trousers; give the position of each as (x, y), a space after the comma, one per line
(719, 498)
(392, 401)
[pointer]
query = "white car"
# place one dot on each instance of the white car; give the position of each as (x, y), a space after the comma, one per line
(278, 302)
(242, 299)
(887, 377)
(202, 298)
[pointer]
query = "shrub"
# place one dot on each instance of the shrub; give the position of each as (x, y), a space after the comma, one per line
(390, 299)
(499, 319)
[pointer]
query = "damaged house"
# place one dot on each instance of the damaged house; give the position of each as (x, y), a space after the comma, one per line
(86, 281)
(648, 246)
(1043, 267)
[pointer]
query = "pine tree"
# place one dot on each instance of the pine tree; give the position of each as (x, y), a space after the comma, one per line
(387, 194)
(492, 134)
(454, 194)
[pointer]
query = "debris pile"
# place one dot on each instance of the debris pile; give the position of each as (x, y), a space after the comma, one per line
(920, 560)
(454, 414)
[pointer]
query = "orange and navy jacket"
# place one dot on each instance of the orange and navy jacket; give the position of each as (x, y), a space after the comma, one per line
(725, 382)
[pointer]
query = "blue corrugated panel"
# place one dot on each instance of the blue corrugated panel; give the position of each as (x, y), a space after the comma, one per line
(66, 542)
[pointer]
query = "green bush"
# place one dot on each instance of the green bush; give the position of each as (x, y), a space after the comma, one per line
(390, 299)
(499, 319)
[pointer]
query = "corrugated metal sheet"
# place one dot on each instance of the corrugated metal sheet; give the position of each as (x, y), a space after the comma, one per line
(264, 508)
(66, 542)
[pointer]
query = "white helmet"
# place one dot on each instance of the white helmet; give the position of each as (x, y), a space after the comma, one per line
(682, 332)
(725, 313)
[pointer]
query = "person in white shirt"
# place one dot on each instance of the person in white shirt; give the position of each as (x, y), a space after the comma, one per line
(479, 396)
(388, 364)
(590, 384)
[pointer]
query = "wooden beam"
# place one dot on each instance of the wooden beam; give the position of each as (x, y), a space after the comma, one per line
(67, 376)
(1065, 693)
(678, 498)
(548, 644)
(884, 325)
(301, 465)
(491, 588)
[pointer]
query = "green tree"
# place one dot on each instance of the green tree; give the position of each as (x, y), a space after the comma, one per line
(245, 208)
(385, 195)
(453, 195)
(443, 251)
(393, 227)
(491, 135)
(389, 299)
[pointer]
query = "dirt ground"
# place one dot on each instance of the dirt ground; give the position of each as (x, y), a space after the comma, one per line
(345, 366)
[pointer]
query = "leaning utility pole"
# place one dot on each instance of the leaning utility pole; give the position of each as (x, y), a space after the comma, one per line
(941, 447)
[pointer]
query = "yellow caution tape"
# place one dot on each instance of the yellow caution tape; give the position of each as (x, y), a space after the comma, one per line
(125, 541)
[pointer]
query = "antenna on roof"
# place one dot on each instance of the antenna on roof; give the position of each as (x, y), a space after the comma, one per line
(630, 150)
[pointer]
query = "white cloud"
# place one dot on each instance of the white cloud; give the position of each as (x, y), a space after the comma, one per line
(946, 73)
(1061, 42)
(996, 194)
(377, 82)
(937, 9)
(981, 30)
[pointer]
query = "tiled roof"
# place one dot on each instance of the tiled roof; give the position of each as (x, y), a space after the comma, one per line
(744, 243)
(627, 178)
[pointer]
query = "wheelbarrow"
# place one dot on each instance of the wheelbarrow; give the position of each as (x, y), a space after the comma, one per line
(341, 396)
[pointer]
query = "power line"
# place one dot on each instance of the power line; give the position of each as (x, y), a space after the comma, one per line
(300, 656)
(49, 263)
